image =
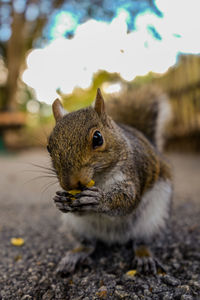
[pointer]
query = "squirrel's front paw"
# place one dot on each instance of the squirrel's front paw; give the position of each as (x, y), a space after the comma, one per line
(87, 200)
(63, 201)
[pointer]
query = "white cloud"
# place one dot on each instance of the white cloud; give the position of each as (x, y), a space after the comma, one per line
(66, 63)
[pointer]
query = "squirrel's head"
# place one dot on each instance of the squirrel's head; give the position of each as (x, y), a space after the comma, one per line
(83, 143)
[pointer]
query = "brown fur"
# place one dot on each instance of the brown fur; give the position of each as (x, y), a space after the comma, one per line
(125, 147)
(132, 191)
(71, 149)
(138, 108)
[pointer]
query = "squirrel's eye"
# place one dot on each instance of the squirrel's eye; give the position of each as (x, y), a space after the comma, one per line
(97, 140)
(48, 149)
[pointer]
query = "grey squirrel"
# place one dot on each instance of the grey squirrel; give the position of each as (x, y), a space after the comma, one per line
(131, 198)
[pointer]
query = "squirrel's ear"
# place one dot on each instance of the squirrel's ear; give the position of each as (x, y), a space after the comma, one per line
(99, 104)
(58, 110)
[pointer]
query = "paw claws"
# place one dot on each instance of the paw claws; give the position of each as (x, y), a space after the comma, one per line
(148, 265)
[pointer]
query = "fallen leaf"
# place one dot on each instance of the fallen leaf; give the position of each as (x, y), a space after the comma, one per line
(17, 241)
(102, 294)
(131, 272)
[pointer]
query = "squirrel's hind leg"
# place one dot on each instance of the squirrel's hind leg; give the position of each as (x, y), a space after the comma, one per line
(74, 257)
(145, 262)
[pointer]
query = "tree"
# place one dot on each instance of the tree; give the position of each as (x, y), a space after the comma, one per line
(27, 20)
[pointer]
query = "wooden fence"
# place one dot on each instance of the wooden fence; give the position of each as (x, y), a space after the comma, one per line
(182, 84)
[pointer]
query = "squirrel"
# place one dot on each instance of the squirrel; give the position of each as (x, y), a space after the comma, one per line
(117, 144)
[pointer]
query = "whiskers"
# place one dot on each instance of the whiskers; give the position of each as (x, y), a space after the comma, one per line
(48, 185)
(48, 169)
(44, 173)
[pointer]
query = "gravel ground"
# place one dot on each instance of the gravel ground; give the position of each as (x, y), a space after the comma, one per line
(28, 272)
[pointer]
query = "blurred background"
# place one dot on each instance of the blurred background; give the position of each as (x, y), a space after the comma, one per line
(68, 48)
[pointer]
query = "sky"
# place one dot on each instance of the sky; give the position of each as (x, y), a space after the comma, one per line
(154, 46)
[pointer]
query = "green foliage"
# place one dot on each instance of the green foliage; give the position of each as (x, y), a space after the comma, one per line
(81, 98)
(141, 80)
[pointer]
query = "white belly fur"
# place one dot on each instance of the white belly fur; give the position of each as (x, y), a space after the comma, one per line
(147, 220)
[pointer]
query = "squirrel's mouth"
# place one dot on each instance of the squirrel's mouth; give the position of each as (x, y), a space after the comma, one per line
(76, 179)
(78, 186)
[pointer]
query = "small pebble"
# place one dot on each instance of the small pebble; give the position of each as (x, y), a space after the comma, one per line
(169, 280)
(195, 284)
(102, 292)
(186, 297)
(26, 297)
(121, 294)
(167, 296)
(49, 295)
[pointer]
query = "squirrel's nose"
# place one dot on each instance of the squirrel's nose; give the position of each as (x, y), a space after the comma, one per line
(75, 180)
(69, 183)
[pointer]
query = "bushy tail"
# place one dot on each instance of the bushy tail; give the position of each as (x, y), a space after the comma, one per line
(147, 109)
